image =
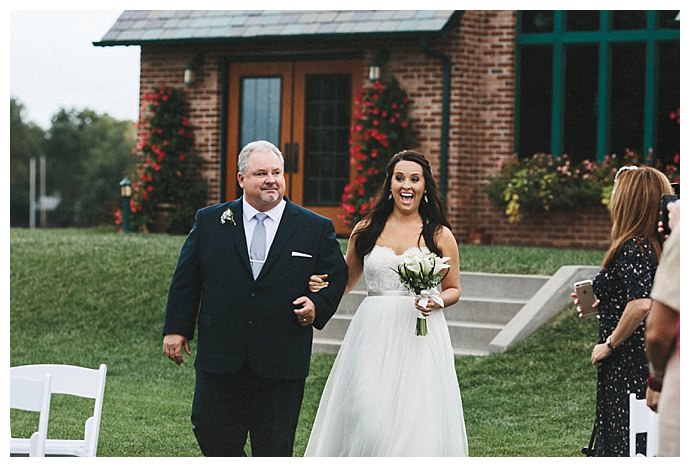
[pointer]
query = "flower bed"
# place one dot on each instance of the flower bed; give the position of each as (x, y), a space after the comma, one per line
(544, 183)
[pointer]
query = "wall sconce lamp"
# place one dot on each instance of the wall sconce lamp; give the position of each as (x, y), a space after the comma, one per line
(374, 73)
(379, 59)
(192, 68)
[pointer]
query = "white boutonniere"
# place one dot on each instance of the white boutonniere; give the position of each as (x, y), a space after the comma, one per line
(228, 216)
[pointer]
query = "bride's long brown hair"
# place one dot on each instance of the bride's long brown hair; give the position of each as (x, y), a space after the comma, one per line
(430, 211)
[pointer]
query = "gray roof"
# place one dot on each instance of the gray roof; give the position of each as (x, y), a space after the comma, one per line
(135, 27)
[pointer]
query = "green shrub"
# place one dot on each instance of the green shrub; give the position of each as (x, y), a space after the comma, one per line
(545, 182)
(169, 169)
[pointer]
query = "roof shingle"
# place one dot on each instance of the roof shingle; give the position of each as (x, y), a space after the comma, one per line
(139, 26)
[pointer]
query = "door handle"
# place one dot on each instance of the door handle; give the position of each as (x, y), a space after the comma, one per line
(295, 157)
(287, 158)
(291, 157)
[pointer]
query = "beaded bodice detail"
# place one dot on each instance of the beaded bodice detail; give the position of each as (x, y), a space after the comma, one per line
(379, 269)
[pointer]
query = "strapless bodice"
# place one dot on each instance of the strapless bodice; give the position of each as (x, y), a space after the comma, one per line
(379, 269)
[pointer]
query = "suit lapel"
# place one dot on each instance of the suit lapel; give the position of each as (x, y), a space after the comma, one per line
(234, 236)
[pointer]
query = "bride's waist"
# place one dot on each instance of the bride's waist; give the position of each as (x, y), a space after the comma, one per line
(378, 293)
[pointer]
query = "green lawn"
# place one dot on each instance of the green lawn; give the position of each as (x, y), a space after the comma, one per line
(85, 297)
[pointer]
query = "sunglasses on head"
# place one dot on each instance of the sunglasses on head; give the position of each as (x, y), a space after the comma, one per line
(623, 169)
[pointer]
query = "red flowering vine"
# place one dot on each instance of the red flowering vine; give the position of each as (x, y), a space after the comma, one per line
(168, 169)
(381, 129)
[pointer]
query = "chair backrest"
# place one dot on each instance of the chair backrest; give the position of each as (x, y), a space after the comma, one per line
(643, 420)
(32, 395)
(74, 381)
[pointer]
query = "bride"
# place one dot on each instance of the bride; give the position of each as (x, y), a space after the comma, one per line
(390, 392)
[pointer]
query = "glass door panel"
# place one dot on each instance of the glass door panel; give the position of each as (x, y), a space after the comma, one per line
(259, 107)
(327, 132)
(324, 105)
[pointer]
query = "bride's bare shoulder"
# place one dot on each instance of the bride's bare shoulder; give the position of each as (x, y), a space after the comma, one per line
(445, 236)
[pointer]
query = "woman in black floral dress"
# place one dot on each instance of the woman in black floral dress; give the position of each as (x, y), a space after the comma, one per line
(622, 288)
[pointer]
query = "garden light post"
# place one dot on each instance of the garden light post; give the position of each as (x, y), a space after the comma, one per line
(126, 195)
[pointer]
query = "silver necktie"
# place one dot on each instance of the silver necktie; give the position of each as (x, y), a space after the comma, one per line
(257, 250)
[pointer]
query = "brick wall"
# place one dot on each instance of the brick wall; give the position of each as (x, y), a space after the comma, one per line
(163, 65)
(482, 53)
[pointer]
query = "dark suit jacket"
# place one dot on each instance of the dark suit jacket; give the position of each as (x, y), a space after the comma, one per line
(241, 320)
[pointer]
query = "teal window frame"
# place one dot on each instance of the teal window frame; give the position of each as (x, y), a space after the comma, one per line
(652, 35)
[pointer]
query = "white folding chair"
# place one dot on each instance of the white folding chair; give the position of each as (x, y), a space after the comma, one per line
(31, 395)
(74, 381)
(643, 420)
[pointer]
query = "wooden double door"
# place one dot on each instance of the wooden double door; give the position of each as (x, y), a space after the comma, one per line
(306, 109)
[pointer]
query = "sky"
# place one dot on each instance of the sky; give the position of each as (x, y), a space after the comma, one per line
(54, 65)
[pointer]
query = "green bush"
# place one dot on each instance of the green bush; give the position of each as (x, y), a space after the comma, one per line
(545, 182)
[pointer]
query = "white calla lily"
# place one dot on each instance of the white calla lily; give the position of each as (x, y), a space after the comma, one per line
(421, 272)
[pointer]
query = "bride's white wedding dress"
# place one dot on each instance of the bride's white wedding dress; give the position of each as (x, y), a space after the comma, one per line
(390, 393)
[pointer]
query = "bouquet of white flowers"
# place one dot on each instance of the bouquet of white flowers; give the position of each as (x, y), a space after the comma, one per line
(421, 272)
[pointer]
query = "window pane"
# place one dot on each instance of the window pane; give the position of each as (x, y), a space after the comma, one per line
(668, 129)
(629, 19)
(580, 121)
(669, 19)
(326, 144)
(582, 21)
(627, 97)
(535, 100)
(536, 21)
(260, 112)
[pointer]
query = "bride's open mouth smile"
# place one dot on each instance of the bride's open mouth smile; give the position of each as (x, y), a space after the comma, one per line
(407, 198)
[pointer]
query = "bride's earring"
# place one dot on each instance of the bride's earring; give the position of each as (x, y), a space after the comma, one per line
(425, 198)
(390, 195)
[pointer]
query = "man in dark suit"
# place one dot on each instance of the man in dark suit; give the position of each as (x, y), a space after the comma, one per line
(242, 279)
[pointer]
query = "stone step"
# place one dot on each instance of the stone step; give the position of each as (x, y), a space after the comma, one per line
(488, 304)
(497, 311)
(469, 335)
(335, 328)
(494, 310)
(325, 345)
(464, 334)
(467, 338)
(350, 302)
(500, 286)
(481, 285)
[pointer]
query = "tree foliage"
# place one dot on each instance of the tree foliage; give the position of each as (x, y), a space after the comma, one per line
(26, 142)
(87, 154)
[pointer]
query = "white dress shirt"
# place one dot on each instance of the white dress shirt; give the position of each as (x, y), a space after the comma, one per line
(271, 222)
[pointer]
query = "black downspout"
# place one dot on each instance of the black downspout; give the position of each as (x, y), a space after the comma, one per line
(445, 115)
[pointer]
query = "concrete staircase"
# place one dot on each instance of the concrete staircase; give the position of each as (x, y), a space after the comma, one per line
(494, 312)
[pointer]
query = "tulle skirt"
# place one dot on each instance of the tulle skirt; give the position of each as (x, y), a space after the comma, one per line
(390, 392)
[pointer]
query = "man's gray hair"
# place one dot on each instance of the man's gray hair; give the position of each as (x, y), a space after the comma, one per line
(243, 157)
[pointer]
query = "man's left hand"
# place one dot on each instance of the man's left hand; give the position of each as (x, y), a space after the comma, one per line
(305, 311)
